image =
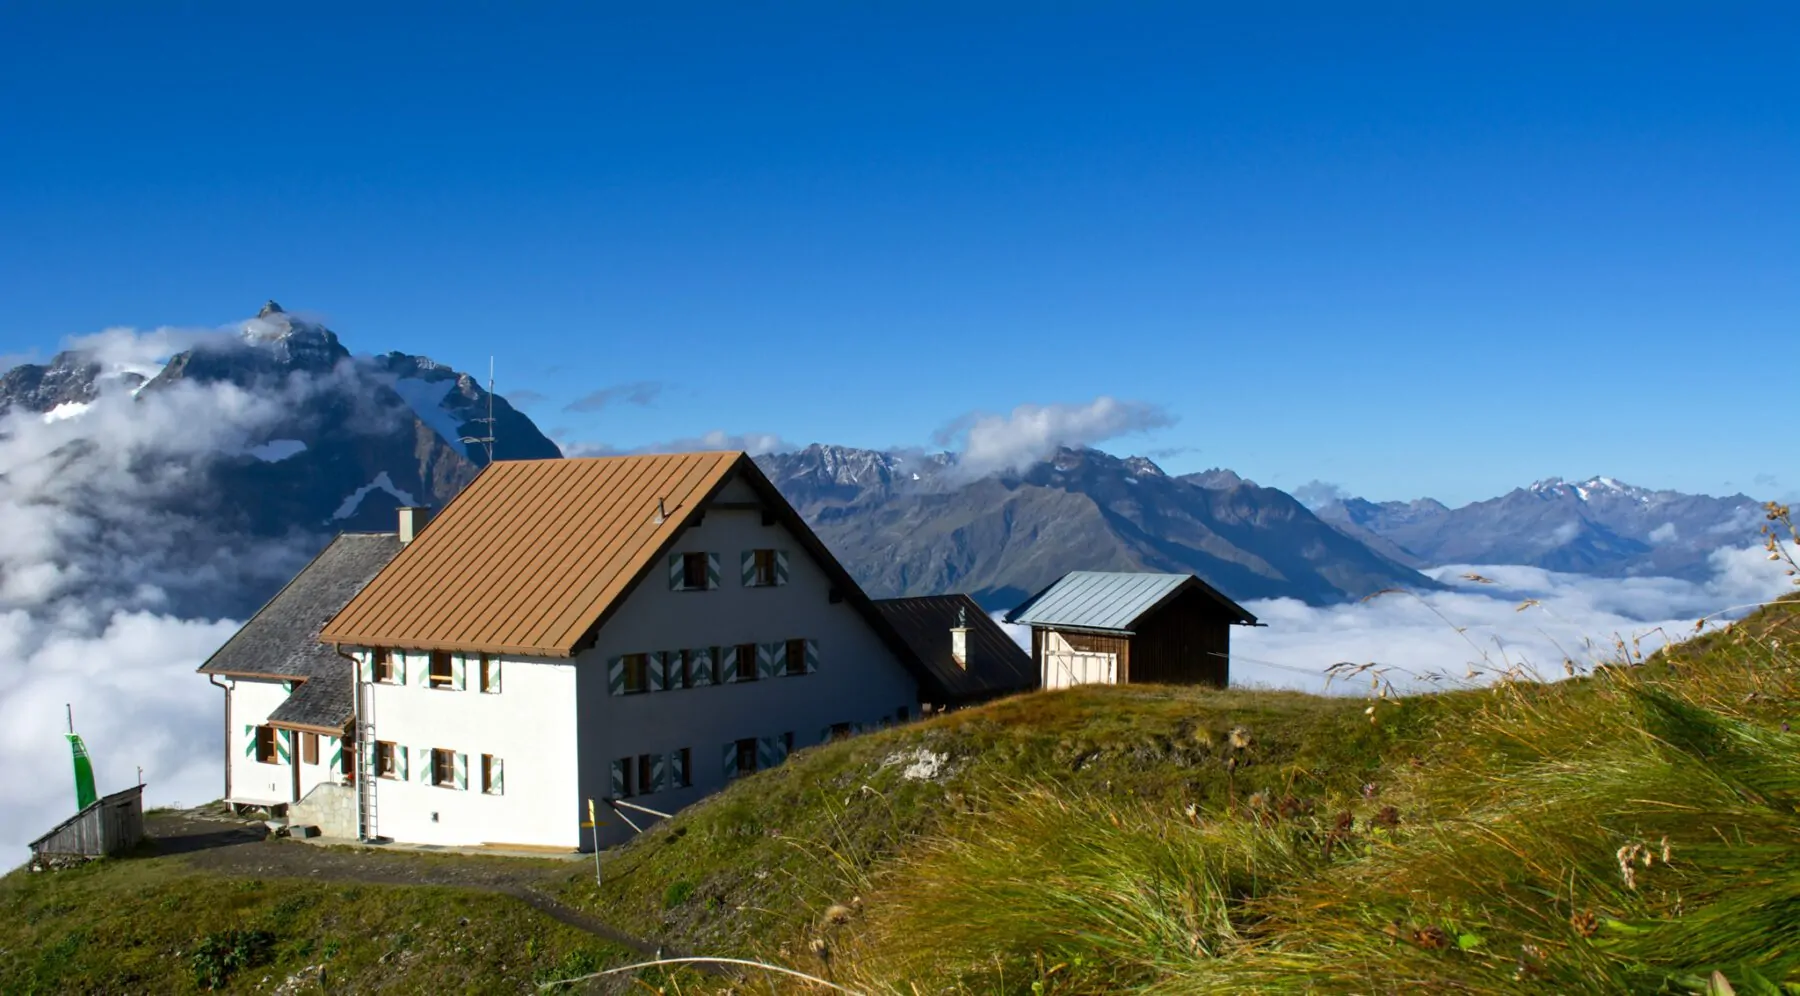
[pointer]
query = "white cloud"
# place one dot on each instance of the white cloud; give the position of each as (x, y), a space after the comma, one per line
(1664, 533)
(1571, 616)
(109, 567)
(992, 443)
(1565, 532)
(1317, 493)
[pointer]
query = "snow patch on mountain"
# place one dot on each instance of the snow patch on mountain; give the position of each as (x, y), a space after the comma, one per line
(426, 399)
(381, 482)
(68, 409)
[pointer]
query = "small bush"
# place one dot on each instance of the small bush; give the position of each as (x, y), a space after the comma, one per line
(220, 954)
(677, 893)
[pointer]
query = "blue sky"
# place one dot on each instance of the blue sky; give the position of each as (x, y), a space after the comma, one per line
(1406, 250)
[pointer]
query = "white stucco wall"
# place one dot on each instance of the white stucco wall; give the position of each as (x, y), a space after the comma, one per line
(249, 703)
(312, 775)
(529, 724)
(858, 679)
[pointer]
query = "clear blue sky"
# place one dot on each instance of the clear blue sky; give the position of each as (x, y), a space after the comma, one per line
(1406, 250)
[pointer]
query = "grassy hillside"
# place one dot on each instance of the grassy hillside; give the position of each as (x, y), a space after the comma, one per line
(1631, 830)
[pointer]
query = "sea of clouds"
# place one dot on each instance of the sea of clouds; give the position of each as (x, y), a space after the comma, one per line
(103, 584)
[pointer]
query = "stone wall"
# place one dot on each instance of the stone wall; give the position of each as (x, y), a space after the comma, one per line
(330, 807)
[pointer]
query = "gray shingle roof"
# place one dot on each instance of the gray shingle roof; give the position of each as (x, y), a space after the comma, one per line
(996, 664)
(1109, 601)
(281, 640)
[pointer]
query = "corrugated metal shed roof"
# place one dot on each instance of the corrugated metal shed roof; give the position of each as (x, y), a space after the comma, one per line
(531, 554)
(1110, 601)
(996, 665)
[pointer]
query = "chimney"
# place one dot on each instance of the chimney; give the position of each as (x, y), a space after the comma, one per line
(411, 521)
(959, 638)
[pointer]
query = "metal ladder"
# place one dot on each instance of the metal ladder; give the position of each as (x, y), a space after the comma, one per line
(366, 761)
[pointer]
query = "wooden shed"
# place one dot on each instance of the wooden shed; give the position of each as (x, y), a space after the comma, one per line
(109, 825)
(1117, 628)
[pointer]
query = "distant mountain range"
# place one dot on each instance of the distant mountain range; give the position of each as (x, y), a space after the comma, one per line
(359, 435)
(1599, 526)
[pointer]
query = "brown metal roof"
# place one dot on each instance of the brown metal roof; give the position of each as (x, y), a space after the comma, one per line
(532, 554)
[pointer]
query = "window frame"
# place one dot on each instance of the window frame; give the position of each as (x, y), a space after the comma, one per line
(387, 759)
(487, 774)
(447, 679)
(448, 756)
(746, 663)
(635, 665)
(646, 772)
(309, 748)
(273, 753)
(763, 562)
(688, 560)
(795, 665)
(629, 764)
(484, 675)
(746, 747)
(381, 665)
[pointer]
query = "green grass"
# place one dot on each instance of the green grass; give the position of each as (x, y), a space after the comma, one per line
(151, 925)
(1115, 840)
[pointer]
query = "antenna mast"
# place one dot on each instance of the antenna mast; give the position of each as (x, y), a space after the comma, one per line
(487, 439)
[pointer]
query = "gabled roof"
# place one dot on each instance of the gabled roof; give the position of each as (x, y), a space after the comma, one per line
(996, 664)
(282, 640)
(534, 555)
(1113, 602)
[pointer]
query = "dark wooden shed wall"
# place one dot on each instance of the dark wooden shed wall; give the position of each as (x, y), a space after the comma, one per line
(1186, 641)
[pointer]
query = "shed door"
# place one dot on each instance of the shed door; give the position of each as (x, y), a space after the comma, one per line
(1076, 667)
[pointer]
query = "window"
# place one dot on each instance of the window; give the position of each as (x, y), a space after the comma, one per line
(746, 661)
(386, 760)
(685, 663)
(309, 748)
(796, 657)
(442, 674)
(840, 730)
(637, 673)
(265, 746)
(787, 743)
(384, 665)
(346, 758)
(491, 775)
(443, 767)
(763, 566)
(646, 775)
(693, 571)
(746, 755)
(490, 675)
(623, 769)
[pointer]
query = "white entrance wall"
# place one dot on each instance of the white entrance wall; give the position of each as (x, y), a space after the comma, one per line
(1064, 666)
(858, 679)
(528, 725)
(248, 704)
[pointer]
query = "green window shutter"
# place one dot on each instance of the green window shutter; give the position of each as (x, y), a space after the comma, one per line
(459, 672)
(781, 567)
(399, 660)
(282, 738)
(618, 779)
(712, 571)
(731, 770)
(462, 771)
(494, 675)
(703, 665)
(615, 675)
(678, 776)
(655, 665)
(249, 739)
(765, 753)
(812, 656)
(763, 655)
(425, 765)
(497, 777)
(781, 747)
(659, 773)
(675, 572)
(365, 669)
(824, 734)
(747, 568)
(728, 665)
(401, 764)
(337, 753)
(777, 660)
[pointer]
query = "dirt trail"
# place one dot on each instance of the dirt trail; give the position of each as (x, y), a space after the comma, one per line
(214, 841)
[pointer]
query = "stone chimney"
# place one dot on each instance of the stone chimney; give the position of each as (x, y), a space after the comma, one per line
(959, 638)
(411, 521)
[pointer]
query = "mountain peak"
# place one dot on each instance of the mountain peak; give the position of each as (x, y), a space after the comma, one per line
(269, 308)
